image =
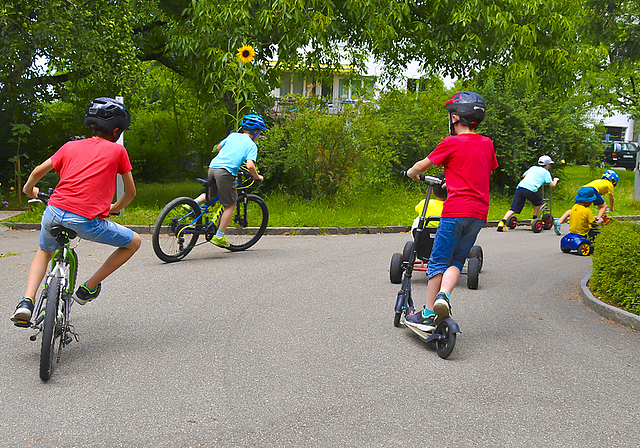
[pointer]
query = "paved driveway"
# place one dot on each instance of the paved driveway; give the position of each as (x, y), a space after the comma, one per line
(292, 344)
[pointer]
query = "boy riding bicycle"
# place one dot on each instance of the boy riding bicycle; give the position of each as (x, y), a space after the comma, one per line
(82, 199)
(234, 150)
(468, 159)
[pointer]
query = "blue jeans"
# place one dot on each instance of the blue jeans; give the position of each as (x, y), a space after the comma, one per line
(454, 239)
(97, 229)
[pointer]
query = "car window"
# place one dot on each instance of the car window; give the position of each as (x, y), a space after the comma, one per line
(628, 147)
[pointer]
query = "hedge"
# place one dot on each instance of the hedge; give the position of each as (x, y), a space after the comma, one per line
(615, 273)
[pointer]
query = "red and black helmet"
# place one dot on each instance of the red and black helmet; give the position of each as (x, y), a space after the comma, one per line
(469, 106)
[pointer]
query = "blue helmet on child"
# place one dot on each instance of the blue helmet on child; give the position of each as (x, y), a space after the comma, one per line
(611, 176)
(253, 122)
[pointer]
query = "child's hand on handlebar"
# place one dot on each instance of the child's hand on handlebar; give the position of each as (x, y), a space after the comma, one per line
(260, 178)
(33, 193)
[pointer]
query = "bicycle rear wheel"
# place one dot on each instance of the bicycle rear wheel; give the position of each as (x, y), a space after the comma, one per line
(48, 330)
(249, 222)
(177, 229)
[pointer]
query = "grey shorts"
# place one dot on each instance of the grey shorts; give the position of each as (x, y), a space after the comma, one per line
(225, 186)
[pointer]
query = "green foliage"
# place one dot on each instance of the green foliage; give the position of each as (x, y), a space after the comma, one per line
(311, 153)
(525, 122)
(616, 265)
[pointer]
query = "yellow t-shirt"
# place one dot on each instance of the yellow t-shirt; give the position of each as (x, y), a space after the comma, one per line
(580, 219)
(603, 186)
(433, 209)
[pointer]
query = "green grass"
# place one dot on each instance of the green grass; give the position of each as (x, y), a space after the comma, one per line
(392, 207)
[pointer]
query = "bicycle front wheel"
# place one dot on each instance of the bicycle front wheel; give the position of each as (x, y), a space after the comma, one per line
(48, 330)
(249, 222)
(177, 229)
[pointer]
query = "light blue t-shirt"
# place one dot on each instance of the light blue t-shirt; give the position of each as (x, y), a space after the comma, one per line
(236, 149)
(534, 178)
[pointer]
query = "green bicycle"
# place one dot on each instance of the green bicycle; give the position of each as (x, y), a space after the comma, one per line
(52, 310)
(182, 221)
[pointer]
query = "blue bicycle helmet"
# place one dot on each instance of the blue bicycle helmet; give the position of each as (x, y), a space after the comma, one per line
(107, 114)
(611, 176)
(253, 122)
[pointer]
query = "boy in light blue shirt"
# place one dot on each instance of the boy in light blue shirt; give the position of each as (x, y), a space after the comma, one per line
(233, 151)
(533, 179)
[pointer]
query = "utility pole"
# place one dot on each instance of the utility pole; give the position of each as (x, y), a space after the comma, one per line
(119, 181)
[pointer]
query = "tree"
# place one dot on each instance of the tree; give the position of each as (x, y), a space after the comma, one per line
(613, 82)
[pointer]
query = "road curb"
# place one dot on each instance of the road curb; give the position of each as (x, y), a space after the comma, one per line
(610, 312)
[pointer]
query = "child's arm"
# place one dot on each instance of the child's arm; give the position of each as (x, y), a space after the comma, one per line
(554, 182)
(565, 216)
(419, 168)
(251, 166)
(610, 202)
(38, 173)
(127, 197)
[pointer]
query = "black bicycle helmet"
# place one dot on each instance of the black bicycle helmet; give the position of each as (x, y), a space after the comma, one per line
(107, 114)
(469, 106)
(253, 122)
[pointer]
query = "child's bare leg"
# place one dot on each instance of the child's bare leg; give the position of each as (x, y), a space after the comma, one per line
(200, 199)
(536, 210)
(119, 257)
(442, 282)
(37, 271)
(508, 215)
(225, 219)
(564, 216)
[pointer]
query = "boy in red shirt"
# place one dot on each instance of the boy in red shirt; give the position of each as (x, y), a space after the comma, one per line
(82, 199)
(468, 159)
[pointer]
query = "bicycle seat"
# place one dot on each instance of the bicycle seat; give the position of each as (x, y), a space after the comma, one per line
(57, 231)
(206, 183)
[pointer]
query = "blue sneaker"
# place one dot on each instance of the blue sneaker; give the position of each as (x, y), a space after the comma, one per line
(556, 227)
(441, 307)
(420, 321)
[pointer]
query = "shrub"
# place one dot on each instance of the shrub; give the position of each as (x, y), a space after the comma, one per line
(616, 265)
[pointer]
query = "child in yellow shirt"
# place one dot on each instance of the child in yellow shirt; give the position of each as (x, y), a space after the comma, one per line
(436, 203)
(581, 217)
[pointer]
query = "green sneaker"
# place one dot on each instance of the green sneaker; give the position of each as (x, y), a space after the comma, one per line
(220, 242)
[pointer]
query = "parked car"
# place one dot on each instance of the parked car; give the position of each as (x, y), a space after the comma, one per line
(621, 154)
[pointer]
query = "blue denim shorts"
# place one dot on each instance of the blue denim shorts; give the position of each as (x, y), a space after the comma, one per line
(454, 239)
(97, 229)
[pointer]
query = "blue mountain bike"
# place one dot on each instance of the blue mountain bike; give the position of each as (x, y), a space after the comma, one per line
(182, 221)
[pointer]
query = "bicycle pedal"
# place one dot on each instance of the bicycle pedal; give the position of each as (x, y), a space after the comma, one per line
(22, 323)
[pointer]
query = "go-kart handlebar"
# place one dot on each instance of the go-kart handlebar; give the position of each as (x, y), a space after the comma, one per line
(431, 180)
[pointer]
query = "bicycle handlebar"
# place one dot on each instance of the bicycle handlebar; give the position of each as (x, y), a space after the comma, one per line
(431, 180)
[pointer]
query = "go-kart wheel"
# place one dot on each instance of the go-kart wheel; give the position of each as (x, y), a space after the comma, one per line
(585, 249)
(395, 270)
(445, 346)
(512, 222)
(476, 252)
(537, 225)
(547, 221)
(473, 272)
(406, 251)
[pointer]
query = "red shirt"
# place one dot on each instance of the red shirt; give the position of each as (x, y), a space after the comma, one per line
(88, 171)
(468, 160)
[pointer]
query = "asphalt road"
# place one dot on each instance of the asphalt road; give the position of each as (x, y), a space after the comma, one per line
(292, 344)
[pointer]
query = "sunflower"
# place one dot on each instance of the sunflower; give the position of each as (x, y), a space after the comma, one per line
(246, 53)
